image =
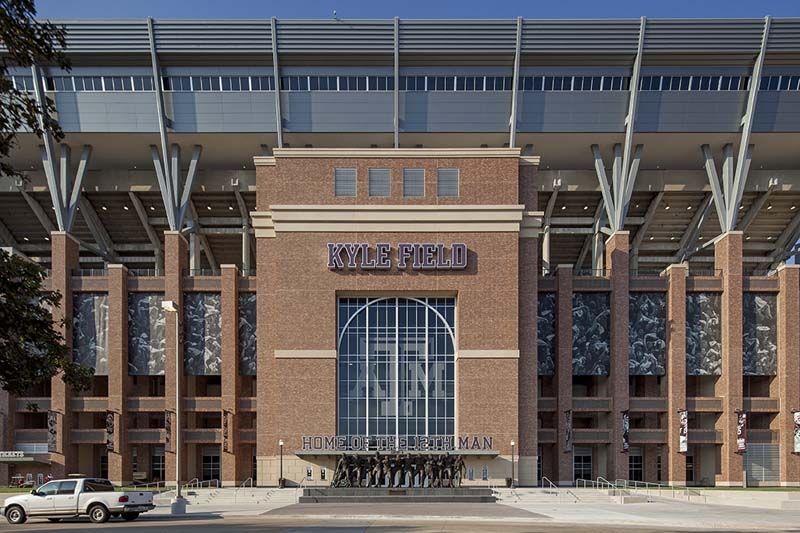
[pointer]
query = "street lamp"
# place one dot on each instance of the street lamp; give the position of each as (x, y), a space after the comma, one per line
(178, 505)
(280, 478)
(512, 464)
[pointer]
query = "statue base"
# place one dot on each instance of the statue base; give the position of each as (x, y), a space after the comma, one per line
(404, 495)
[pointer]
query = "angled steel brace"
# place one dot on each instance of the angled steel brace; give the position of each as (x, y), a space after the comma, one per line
(512, 139)
(164, 186)
(276, 74)
(785, 243)
(686, 248)
(599, 215)
(546, 229)
(39, 212)
(605, 189)
(713, 179)
(745, 149)
(201, 237)
(98, 231)
(755, 208)
(187, 185)
(6, 237)
(151, 233)
(642, 231)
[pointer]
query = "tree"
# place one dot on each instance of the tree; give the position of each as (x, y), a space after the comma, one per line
(27, 42)
(31, 349)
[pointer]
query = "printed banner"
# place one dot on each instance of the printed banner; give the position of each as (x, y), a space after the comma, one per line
(683, 438)
(168, 431)
(52, 431)
(110, 431)
(225, 422)
(626, 426)
(796, 417)
(741, 433)
(568, 431)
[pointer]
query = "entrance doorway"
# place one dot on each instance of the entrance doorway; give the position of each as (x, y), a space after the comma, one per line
(210, 464)
(581, 463)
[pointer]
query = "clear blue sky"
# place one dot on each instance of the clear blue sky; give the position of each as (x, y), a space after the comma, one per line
(323, 9)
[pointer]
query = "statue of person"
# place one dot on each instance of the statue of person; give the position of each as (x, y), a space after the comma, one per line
(458, 474)
(395, 466)
(376, 473)
(428, 471)
(339, 473)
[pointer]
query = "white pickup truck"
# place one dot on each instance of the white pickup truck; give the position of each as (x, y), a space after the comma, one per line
(62, 498)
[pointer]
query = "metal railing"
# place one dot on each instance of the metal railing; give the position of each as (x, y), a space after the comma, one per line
(243, 485)
(589, 273)
(143, 272)
(298, 490)
(201, 272)
(198, 484)
(90, 272)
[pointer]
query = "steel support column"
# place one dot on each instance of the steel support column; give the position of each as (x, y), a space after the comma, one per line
(396, 92)
(512, 138)
(273, 25)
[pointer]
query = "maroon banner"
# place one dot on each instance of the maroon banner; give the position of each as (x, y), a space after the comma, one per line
(225, 424)
(110, 431)
(168, 431)
(741, 432)
(683, 437)
(568, 431)
(52, 431)
(626, 426)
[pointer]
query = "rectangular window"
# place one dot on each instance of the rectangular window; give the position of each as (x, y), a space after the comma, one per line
(88, 83)
(157, 465)
(142, 83)
(344, 182)
(447, 183)
(263, 83)
(413, 182)
(379, 182)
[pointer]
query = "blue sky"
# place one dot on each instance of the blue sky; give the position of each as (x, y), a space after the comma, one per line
(322, 9)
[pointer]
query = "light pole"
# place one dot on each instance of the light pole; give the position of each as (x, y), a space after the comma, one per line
(178, 505)
(512, 464)
(280, 478)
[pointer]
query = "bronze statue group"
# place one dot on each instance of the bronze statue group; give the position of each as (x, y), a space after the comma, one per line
(399, 470)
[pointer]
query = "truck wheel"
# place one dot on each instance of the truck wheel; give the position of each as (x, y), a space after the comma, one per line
(98, 514)
(130, 516)
(15, 515)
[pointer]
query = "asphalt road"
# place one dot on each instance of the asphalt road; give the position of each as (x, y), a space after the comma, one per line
(293, 524)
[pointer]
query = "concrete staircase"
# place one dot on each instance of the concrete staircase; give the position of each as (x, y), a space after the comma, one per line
(545, 496)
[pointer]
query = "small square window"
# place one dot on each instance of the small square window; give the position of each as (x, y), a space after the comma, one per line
(447, 183)
(413, 182)
(379, 182)
(345, 182)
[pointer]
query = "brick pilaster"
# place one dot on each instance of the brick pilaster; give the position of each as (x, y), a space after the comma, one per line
(230, 375)
(528, 367)
(563, 370)
(119, 460)
(266, 408)
(617, 263)
(788, 369)
(673, 462)
(176, 259)
(65, 259)
(728, 263)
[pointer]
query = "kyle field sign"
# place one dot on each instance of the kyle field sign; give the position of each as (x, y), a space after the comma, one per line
(419, 256)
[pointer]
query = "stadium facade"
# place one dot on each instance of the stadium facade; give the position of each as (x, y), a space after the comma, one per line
(557, 247)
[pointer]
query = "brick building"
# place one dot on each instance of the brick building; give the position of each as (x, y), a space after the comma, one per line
(554, 246)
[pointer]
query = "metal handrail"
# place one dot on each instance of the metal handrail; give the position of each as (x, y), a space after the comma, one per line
(242, 486)
(197, 484)
(299, 489)
(550, 483)
(189, 484)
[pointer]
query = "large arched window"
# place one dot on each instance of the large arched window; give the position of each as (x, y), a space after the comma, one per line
(396, 367)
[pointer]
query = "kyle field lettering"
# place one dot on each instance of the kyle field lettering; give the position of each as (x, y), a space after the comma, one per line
(420, 256)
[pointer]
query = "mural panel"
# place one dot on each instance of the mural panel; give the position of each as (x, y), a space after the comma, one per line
(703, 334)
(759, 334)
(146, 340)
(90, 331)
(247, 334)
(546, 339)
(202, 324)
(647, 333)
(591, 317)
